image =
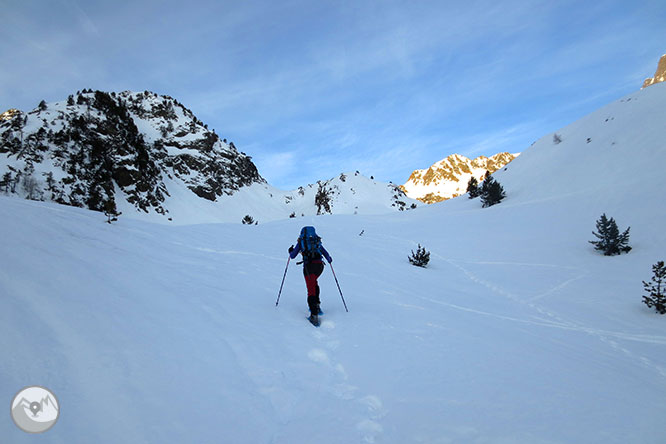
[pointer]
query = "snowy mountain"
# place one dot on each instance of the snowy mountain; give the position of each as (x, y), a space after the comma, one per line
(448, 178)
(659, 75)
(148, 156)
(516, 332)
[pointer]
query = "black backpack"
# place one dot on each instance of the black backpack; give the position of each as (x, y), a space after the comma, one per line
(310, 244)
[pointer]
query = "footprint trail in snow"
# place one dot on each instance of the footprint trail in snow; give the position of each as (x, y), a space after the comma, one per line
(369, 407)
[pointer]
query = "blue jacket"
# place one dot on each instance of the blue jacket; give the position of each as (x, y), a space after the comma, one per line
(297, 250)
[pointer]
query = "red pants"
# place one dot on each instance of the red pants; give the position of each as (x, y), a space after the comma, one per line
(312, 271)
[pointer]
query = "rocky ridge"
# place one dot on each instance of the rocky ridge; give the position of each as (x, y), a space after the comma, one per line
(98, 147)
(448, 178)
(141, 153)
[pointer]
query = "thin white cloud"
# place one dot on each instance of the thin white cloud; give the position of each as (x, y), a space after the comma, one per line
(354, 85)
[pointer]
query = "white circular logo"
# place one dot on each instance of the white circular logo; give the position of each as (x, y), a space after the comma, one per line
(35, 409)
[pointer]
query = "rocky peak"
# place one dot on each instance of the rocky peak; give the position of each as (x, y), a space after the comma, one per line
(9, 114)
(96, 149)
(659, 75)
(448, 178)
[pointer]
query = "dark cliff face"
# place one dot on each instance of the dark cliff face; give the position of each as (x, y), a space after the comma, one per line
(97, 148)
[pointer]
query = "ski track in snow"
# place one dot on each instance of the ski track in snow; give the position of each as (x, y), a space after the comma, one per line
(371, 406)
(558, 322)
(229, 252)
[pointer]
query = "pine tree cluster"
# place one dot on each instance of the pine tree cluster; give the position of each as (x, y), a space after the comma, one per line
(490, 191)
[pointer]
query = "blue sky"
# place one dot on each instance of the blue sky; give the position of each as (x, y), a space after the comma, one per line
(313, 88)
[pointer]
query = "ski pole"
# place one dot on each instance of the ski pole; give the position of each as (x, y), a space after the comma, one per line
(285, 275)
(338, 284)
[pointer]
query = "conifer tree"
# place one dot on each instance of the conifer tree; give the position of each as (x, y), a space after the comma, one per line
(483, 188)
(420, 258)
(323, 199)
(491, 193)
(50, 184)
(473, 188)
(656, 288)
(110, 210)
(610, 242)
(6, 181)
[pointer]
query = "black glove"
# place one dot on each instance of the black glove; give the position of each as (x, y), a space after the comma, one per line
(291, 249)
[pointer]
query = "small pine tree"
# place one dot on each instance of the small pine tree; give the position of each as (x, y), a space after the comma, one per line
(51, 186)
(656, 288)
(16, 181)
(6, 181)
(42, 106)
(31, 187)
(491, 193)
(247, 220)
(610, 242)
(473, 188)
(110, 210)
(323, 200)
(484, 183)
(420, 258)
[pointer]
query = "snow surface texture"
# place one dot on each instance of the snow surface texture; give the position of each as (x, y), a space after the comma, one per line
(350, 193)
(517, 332)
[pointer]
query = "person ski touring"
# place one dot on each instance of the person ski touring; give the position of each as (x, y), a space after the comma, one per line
(312, 250)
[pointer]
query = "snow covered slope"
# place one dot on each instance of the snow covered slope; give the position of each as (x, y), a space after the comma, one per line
(448, 178)
(517, 332)
(149, 157)
(349, 193)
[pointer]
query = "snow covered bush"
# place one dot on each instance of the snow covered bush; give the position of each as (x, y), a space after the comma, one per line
(610, 242)
(31, 187)
(655, 288)
(247, 220)
(420, 258)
